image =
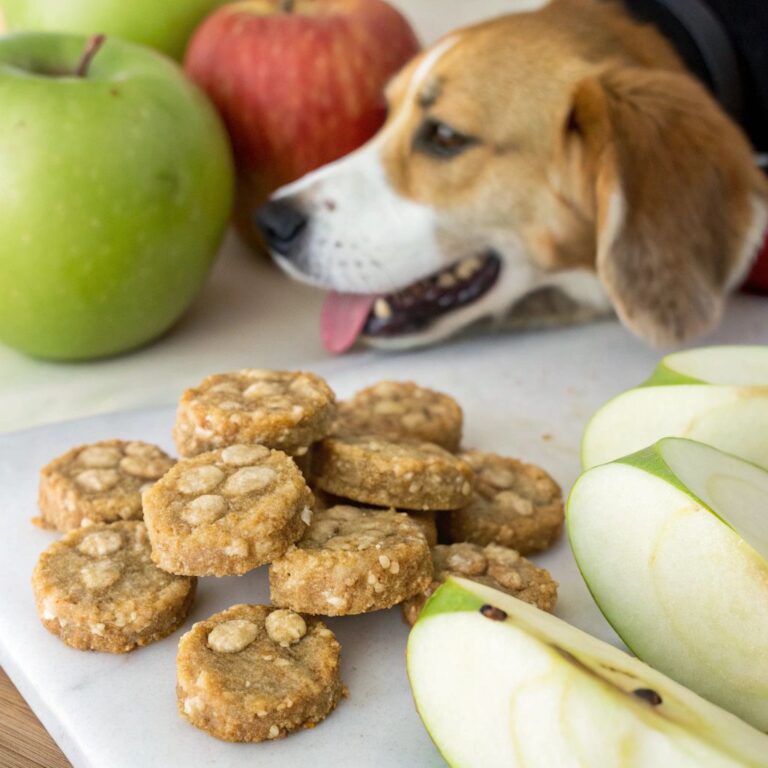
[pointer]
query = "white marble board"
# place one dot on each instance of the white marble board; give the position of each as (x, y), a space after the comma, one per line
(527, 395)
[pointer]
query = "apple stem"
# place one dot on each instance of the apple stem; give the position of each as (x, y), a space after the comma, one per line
(286, 6)
(92, 47)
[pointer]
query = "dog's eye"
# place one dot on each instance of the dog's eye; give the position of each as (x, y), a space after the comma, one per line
(441, 140)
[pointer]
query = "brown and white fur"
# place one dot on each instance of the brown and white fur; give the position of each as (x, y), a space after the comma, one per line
(598, 170)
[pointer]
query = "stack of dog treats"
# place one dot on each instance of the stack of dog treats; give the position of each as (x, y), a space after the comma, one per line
(344, 501)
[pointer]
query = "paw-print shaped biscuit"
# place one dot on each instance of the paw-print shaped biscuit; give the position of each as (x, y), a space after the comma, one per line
(99, 483)
(402, 409)
(404, 474)
(498, 567)
(253, 673)
(515, 505)
(227, 511)
(352, 560)
(97, 589)
(280, 409)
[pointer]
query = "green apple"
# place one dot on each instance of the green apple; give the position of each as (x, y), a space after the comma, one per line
(717, 395)
(165, 25)
(501, 684)
(673, 544)
(116, 188)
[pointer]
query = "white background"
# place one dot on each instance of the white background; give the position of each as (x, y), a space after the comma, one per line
(248, 314)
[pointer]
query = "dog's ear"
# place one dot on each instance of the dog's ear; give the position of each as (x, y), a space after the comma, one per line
(675, 194)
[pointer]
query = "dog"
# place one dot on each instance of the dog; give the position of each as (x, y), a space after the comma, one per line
(548, 166)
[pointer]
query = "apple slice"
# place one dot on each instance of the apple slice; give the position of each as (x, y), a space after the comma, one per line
(673, 544)
(738, 365)
(498, 682)
(717, 395)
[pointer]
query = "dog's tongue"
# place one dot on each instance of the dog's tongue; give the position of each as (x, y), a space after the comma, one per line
(342, 319)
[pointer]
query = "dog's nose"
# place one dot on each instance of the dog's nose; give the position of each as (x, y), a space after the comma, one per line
(281, 224)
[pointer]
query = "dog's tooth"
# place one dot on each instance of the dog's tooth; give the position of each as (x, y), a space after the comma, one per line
(467, 267)
(446, 280)
(381, 309)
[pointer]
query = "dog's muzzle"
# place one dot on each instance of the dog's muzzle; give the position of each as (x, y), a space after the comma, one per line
(409, 309)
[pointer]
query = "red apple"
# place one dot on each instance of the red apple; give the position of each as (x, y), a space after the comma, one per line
(299, 84)
(757, 281)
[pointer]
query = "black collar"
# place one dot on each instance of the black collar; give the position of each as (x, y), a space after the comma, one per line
(702, 41)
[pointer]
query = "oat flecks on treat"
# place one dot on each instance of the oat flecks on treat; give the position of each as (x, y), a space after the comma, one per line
(352, 560)
(101, 542)
(245, 676)
(402, 409)
(425, 519)
(240, 455)
(100, 574)
(278, 409)
(232, 636)
(204, 509)
(495, 566)
(248, 480)
(216, 515)
(97, 480)
(199, 479)
(98, 483)
(427, 523)
(285, 627)
(100, 456)
(402, 474)
(514, 504)
(97, 589)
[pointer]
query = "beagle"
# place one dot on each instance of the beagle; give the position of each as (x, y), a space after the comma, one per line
(549, 166)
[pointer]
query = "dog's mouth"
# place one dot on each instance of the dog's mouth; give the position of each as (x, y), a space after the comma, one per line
(346, 317)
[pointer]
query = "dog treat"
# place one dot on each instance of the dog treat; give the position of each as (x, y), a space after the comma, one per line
(98, 483)
(304, 463)
(425, 520)
(494, 566)
(323, 500)
(279, 409)
(427, 523)
(227, 511)
(403, 474)
(515, 505)
(254, 672)
(98, 590)
(402, 409)
(352, 560)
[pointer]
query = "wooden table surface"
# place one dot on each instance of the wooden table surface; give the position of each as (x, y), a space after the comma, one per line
(24, 743)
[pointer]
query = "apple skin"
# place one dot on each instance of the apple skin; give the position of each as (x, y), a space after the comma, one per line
(757, 281)
(116, 191)
(296, 89)
(166, 26)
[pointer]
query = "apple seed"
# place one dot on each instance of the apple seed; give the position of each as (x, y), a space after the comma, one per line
(493, 613)
(649, 695)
